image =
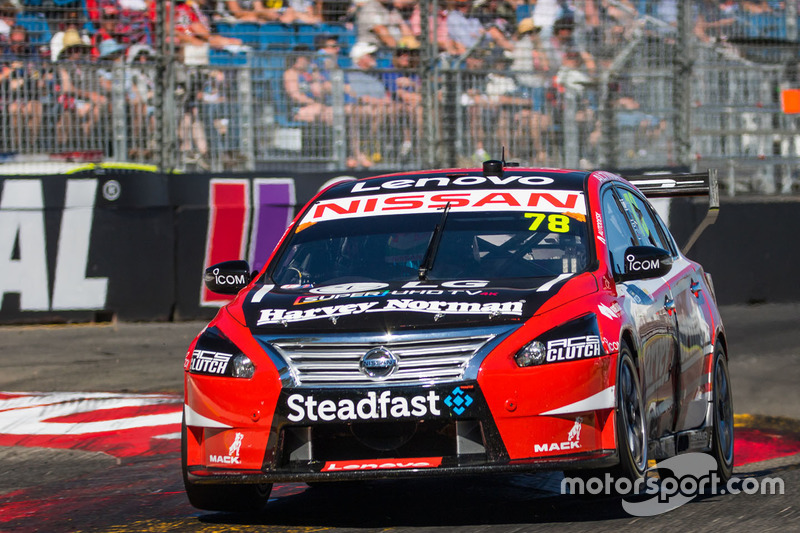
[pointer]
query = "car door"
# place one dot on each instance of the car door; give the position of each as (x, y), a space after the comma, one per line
(693, 333)
(693, 311)
(647, 302)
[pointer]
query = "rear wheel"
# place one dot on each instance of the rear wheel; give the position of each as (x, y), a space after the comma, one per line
(223, 497)
(722, 436)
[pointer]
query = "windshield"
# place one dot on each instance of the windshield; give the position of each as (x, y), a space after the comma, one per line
(473, 245)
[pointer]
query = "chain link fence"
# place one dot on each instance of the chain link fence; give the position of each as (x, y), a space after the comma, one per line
(580, 84)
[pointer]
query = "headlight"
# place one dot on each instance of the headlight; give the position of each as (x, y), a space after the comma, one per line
(215, 355)
(243, 367)
(531, 354)
(575, 340)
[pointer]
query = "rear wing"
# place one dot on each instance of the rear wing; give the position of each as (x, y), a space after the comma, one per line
(679, 185)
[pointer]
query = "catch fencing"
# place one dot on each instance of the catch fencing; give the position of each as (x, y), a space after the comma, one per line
(650, 91)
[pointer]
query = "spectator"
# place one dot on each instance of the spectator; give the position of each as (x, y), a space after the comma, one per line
(193, 27)
(443, 40)
(379, 24)
(80, 100)
(328, 48)
(108, 27)
(563, 41)
(510, 102)
(498, 19)
(21, 87)
(338, 11)
(405, 87)
(306, 89)
(545, 13)
(247, 11)
(214, 111)
(462, 28)
(717, 21)
(71, 21)
(371, 102)
(8, 17)
(572, 77)
(529, 63)
(111, 59)
(193, 144)
(301, 12)
(617, 20)
(140, 87)
(479, 109)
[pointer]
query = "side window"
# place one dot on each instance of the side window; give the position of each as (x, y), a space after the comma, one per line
(644, 225)
(618, 230)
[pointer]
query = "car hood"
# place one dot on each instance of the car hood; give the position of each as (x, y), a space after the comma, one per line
(399, 306)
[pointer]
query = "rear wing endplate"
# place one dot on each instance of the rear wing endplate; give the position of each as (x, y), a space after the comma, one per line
(679, 185)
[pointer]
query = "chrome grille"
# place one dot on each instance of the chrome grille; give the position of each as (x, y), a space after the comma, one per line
(420, 360)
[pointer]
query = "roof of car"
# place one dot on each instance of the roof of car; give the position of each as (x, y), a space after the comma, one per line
(461, 179)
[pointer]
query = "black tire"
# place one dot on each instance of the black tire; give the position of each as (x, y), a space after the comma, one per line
(629, 416)
(629, 419)
(722, 436)
(223, 497)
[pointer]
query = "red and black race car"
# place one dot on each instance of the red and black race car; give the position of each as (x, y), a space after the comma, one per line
(460, 321)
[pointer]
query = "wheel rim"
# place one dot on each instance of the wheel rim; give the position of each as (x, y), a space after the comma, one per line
(724, 412)
(632, 415)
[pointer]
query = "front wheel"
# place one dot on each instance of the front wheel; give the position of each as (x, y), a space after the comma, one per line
(629, 419)
(722, 436)
(630, 425)
(223, 497)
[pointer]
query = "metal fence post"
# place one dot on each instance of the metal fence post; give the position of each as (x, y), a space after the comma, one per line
(118, 115)
(571, 143)
(681, 88)
(339, 119)
(427, 73)
(245, 98)
(449, 110)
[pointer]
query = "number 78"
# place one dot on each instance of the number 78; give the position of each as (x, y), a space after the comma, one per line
(555, 223)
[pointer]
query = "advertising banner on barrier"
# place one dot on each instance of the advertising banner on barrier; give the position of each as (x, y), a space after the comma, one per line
(116, 241)
(86, 246)
(227, 217)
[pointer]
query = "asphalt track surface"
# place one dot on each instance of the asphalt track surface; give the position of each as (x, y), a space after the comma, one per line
(112, 472)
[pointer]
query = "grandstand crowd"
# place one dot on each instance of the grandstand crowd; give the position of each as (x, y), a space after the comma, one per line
(59, 57)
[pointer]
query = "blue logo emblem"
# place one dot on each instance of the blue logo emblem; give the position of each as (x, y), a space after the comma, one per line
(458, 401)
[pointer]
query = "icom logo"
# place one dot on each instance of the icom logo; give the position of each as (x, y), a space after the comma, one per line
(378, 363)
(642, 265)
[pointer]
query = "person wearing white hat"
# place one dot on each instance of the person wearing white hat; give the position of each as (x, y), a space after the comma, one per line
(140, 86)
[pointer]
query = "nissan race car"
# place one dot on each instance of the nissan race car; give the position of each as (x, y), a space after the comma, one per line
(460, 321)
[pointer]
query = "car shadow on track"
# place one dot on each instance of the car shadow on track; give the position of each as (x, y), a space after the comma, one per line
(451, 502)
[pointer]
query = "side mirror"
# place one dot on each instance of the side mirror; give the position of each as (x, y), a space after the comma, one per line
(228, 277)
(645, 262)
